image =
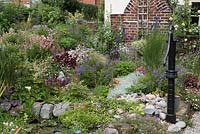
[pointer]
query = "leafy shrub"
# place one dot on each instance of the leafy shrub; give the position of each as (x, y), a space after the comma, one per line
(139, 87)
(36, 53)
(12, 38)
(68, 43)
(89, 11)
(91, 70)
(124, 68)
(11, 14)
(193, 99)
(196, 65)
(101, 91)
(152, 82)
(10, 63)
(139, 46)
(191, 81)
(49, 15)
(76, 92)
(105, 40)
(66, 59)
(154, 50)
(83, 119)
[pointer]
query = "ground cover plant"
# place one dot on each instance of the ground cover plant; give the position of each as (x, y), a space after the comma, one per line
(50, 55)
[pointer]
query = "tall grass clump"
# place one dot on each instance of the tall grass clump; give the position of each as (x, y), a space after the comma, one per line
(154, 49)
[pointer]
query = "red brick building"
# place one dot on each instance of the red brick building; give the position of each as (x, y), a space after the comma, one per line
(140, 16)
(21, 1)
(93, 2)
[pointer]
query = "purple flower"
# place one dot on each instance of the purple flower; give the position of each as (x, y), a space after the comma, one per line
(155, 73)
(46, 82)
(123, 32)
(78, 131)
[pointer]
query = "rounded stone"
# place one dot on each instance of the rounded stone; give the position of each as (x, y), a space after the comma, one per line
(162, 116)
(110, 131)
(36, 110)
(60, 108)
(173, 128)
(150, 96)
(46, 111)
(6, 106)
(181, 124)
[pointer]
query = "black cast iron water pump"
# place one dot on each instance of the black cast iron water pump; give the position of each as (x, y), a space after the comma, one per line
(171, 75)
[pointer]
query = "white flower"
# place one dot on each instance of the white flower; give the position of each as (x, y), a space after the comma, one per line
(28, 88)
(183, 24)
(5, 123)
(185, 39)
(176, 26)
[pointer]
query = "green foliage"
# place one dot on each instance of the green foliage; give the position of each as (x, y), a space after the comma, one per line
(77, 92)
(154, 50)
(68, 43)
(10, 124)
(196, 65)
(83, 119)
(11, 14)
(139, 87)
(101, 11)
(89, 11)
(3, 87)
(36, 53)
(101, 91)
(30, 91)
(104, 40)
(12, 38)
(152, 82)
(10, 62)
(139, 46)
(73, 34)
(147, 125)
(95, 70)
(49, 15)
(193, 99)
(124, 68)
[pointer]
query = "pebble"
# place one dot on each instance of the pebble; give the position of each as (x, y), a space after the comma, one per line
(120, 111)
(117, 116)
(6, 106)
(110, 131)
(181, 124)
(162, 116)
(150, 97)
(46, 111)
(173, 128)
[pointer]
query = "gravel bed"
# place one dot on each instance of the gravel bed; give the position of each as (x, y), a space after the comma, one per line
(195, 129)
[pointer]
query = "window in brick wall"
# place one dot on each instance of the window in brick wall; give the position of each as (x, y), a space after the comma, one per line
(194, 13)
(142, 18)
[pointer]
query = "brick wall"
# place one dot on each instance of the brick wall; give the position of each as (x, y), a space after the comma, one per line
(156, 9)
(93, 2)
(20, 1)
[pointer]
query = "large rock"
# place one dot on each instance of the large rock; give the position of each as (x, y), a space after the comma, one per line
(150, 97)
(173, 128)
(36, 109)
(110, 131)
(161, 104)
(46, 111)
(6, 106)
(162, 116)
(60, 108)
(149, 109)
(181, 124)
